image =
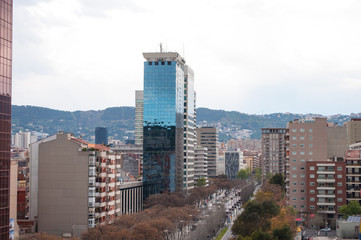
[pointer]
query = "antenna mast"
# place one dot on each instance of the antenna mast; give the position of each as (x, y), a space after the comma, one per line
(161, 47)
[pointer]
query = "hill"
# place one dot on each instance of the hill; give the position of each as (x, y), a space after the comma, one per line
(120, 121)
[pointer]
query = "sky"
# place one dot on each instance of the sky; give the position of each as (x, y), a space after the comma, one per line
(251, 56)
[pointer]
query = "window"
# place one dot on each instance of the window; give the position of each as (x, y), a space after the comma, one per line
(302, 190)
(302, 153)
(339, 168)
(294, 183)
(312, 191)
(310, 130)
(302, 145)
(339, 184)
(310, 145)
(294, 206)
(294, 138)
(302, 184)
(339, 176)
(294, 199)
(294, 130)
(294, 175)
(310, 137)
(312, 199)
(302, 138)
(302, 199)
(312, 168)
(339, 199)
(339, 191)
(294, 190)
(294, 153)
(312, 175)
(312, 207)
(302, 130)
(294, 145)
(312, 184)
(302, 206)
(302, 175)
(294, 168)
(294, 160)
(310, 153)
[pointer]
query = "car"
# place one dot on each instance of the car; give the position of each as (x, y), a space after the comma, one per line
(327, 229)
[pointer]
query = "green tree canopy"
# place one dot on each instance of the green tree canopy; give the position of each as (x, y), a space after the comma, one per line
(278, 179)
(201, 182)
(244, 173)
(353, 208)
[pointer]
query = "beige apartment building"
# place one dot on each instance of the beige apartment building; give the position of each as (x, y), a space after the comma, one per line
(200, 164)
(79, 185)
(273, 150)
(309, 140)
(353, 131)
(306, 140)
(208, 137)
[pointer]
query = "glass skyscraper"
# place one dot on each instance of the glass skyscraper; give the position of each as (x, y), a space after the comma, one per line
(163, 122)
(6, 16)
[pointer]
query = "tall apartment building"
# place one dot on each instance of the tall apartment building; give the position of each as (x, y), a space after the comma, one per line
(306, 141)
(78, 185)
(326, 188)
(200, 163)
(165, 124)
(138, 133)
(189, 128)
(353, 175)
(353, 131)
(221, 164)
(273, 150)
(208, 137)
(6, 23)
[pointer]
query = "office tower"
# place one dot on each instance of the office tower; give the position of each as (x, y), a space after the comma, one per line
(163, 113)
(189, 128)
(353, 130)
(326, 189)
(6, 15)
(234, 163)
(208, 137)
(101, 136)
(138, 134)
(306, 141)
(273, 150)
(221, 164)
(200, 164)
(79, 185)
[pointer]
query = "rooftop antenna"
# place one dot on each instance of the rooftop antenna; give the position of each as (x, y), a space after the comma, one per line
(161, 47)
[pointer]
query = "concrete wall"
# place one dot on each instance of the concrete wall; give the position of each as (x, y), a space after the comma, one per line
(63, 186)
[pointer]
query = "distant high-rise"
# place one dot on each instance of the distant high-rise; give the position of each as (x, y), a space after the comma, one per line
(208, 137)
(138, 134)
(273, 150)
(6, 16)
(101, 136)
(163, 122)
(233, 162)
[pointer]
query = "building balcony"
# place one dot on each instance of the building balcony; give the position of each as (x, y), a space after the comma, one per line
(111, 175)
(117, 201)
(117, 175)
(111, 184)
(327, 211)
(111, 194)
(326, 172)
(325, 180)
(92, 160)
(97, 215)
(103, 214)
(112, 212)
(326, 204)
(103, 174)
(326, 188)
(325, 196)
(118, 166)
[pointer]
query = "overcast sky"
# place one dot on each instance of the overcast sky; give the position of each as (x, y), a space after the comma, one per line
(251, 56)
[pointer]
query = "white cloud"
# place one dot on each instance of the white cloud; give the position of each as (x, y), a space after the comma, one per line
(251, 56)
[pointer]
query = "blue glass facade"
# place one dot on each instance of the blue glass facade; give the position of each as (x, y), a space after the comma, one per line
(163, 108)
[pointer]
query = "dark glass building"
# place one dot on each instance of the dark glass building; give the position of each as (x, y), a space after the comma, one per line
(163, 110)
(6, 16)
(101, 136)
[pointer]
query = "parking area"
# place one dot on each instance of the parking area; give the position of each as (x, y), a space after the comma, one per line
(310, 233)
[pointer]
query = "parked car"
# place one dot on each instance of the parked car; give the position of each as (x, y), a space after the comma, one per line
(326, 229)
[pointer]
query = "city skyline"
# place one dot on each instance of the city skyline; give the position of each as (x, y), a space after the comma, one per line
(303, 55)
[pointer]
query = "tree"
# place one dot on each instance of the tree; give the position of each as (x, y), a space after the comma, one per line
(258, 174)
(243, 173)
(201, 182)
(283, 233)
(278, 179)
(353, 208)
